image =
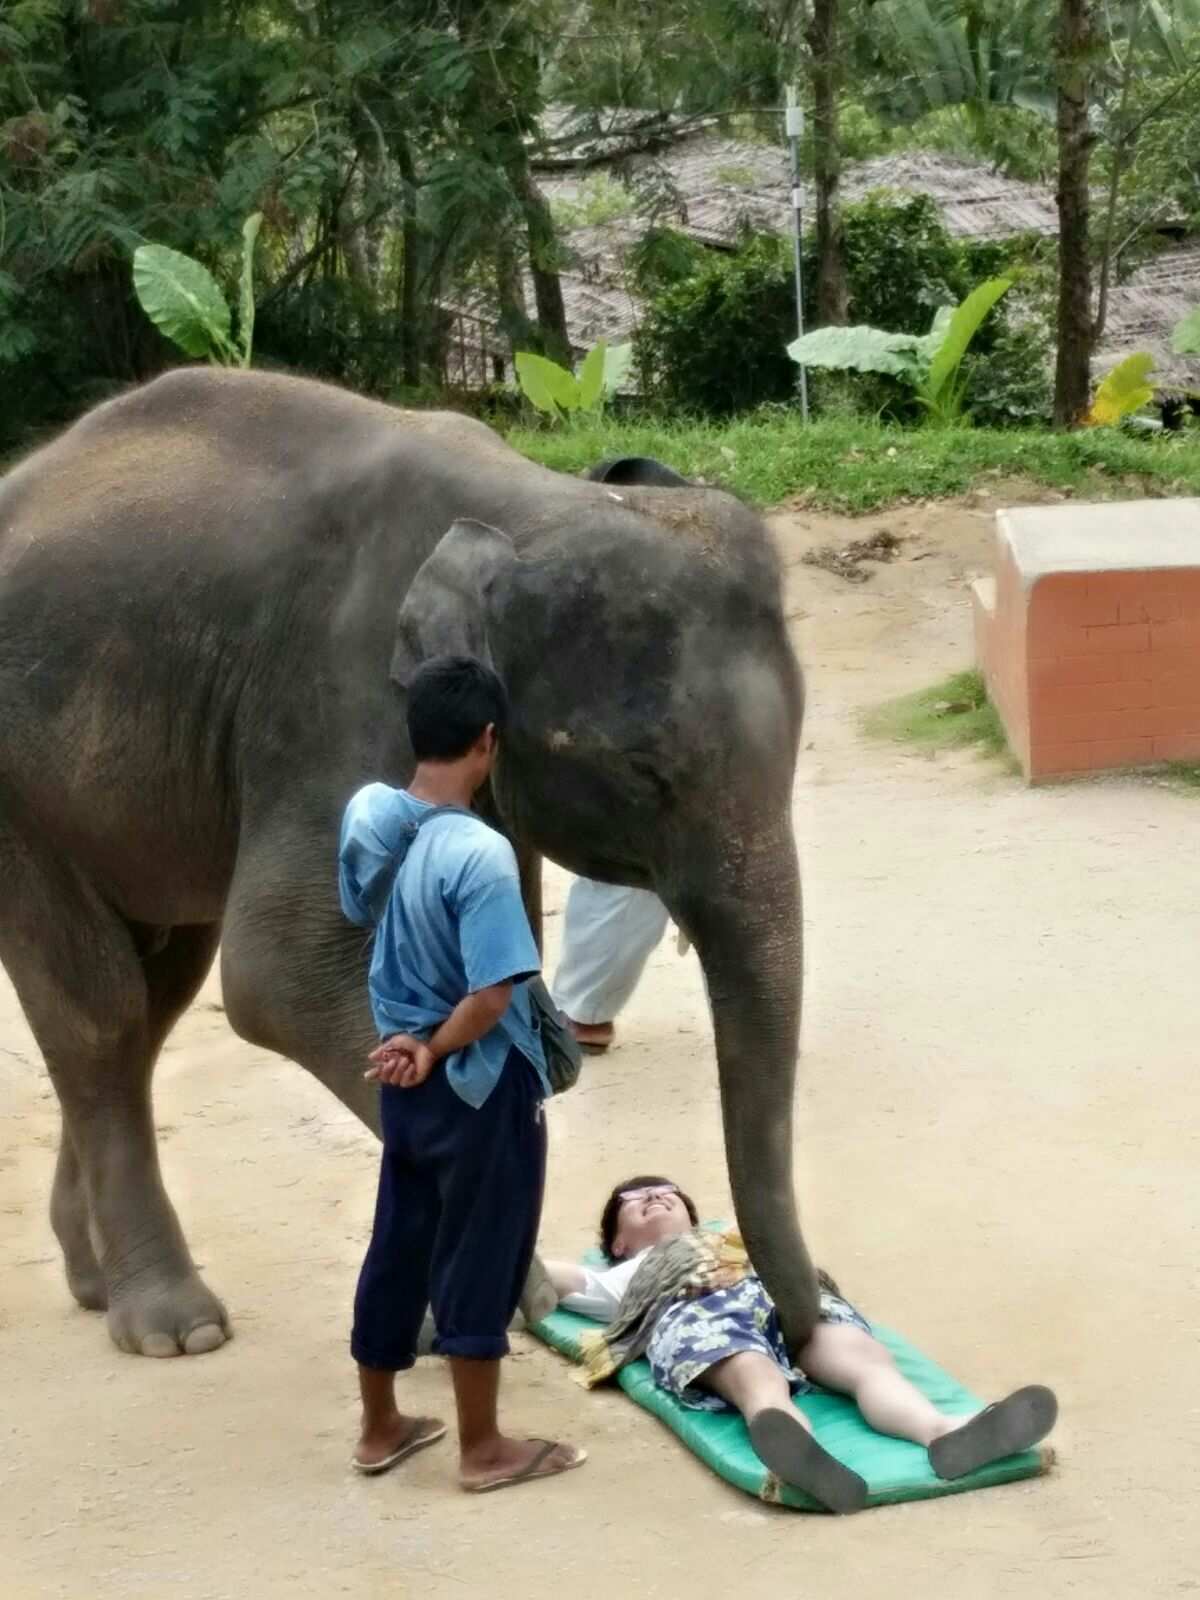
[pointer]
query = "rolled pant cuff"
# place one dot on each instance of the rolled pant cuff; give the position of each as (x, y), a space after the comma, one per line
(377, 1362)
(472, 1347)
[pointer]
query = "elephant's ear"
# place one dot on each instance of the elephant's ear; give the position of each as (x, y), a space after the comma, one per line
(445, 609)
(638, 471)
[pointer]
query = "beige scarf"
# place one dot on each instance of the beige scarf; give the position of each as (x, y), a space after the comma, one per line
(687, 1267)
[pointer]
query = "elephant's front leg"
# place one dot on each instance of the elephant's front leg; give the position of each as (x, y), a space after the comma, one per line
(71, 1222)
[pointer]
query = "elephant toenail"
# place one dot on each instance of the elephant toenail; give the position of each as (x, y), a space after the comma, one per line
(208, 1336)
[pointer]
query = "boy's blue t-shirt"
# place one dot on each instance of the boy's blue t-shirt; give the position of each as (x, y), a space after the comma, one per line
(448, 921)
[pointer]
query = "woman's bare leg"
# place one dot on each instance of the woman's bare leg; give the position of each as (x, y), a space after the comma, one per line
(780, 1432)
(849, 1361)
(751, 1383)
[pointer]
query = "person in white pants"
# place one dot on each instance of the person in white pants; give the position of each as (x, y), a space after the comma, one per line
(609, 932)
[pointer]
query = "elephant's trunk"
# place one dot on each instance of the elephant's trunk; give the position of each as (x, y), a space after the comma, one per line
(747, 932)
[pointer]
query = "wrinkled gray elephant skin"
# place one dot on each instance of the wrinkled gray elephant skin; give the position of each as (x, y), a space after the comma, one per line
(212, 593)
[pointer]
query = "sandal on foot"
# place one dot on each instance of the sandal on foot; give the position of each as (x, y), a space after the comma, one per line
(784, 1444)
(593, 1038)
(535, 1467)
(1000, 1430)
(427, 1431)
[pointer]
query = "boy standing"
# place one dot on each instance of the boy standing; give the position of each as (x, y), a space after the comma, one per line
(463, 1079)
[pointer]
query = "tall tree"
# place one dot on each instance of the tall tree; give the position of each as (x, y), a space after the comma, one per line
(822, 37)
(1073, 54)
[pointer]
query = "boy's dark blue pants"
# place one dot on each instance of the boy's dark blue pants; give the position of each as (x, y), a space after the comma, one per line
(456, 1221)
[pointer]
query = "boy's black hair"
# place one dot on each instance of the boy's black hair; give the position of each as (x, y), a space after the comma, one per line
(451, 700)
(610, 1216)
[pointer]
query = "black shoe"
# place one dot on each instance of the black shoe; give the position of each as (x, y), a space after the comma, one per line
(1003, 1429)
(784, 1444)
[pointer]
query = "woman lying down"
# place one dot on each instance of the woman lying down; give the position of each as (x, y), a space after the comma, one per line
(689, 1302)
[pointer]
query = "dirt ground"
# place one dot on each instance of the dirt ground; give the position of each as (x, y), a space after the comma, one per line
(999, 1152)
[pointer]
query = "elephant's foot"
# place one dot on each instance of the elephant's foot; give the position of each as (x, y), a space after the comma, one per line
(173, 1317)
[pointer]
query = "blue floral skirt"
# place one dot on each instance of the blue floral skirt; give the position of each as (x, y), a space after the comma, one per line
(693, 1335)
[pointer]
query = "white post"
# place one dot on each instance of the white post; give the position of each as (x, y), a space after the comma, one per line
(794, 125)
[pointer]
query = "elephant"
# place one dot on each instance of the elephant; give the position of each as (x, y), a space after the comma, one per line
(213, 590)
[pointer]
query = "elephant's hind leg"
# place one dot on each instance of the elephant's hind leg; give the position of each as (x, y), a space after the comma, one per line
(100, 999)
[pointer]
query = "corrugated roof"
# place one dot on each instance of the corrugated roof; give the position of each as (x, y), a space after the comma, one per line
(713, 188)
(1143, 312)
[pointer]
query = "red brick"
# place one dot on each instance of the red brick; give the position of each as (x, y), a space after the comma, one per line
(1183, 634)
(1174, 663)
(1050, 643)
(1178, 689)
(1107, 753)
(1075, 728)
(1138, 667)
(1068, 698)
(1123, 639)
(1177, 747)
(1052, 759)
(1168, 720)
(1182, 584)
(1150, 605)
(1059, 670)
(1049, 760)
(1068, 600)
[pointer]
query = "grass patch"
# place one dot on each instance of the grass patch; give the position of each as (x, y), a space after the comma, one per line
(956, 714)
(951, 715)
(853, 466)
(1183, 775)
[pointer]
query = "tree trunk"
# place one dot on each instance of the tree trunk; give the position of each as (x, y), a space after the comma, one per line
(410, 346)
(1072, 379)
(1122, 143)
(513, 320)
(543, 268)
(832, 296)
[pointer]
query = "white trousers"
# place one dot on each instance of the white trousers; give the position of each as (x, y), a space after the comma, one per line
(609, 933)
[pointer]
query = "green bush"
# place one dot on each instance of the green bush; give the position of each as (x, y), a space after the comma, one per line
(1010, 385)
(716, 340)
(715, 325)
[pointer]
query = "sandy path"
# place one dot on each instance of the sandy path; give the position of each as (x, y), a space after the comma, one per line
(999, 1131)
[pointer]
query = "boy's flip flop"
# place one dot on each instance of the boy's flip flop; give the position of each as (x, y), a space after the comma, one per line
(533, 1469)
(782, 1443)
(427, 1431)
(1000, 1430)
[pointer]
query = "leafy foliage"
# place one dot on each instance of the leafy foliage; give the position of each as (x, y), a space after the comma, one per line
(556, 392)
(1123, 391)
(388, 146)
(941, 388)
(713, 341)
(183, 299)
(383, 141)
(708, 342)
(930, 362)
(862, 349)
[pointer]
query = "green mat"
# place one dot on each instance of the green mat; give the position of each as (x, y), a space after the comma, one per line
(894, 1469)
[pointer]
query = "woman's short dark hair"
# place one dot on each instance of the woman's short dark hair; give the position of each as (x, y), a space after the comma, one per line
(451, 700)
(611, 1214)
